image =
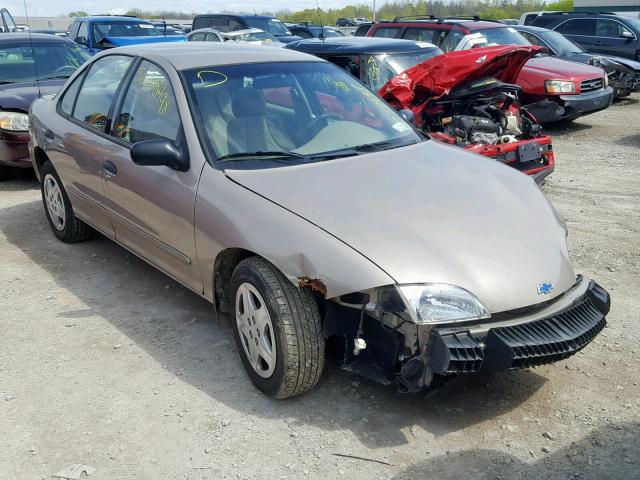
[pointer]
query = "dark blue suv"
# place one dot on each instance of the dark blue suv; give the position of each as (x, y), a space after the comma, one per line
(226, 22)
(597, 32)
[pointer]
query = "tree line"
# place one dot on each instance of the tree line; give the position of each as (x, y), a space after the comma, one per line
(491, 9)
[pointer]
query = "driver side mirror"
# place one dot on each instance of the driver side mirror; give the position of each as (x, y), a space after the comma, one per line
(627, 34)
(407, 115)
(159, 152)
(81, 40)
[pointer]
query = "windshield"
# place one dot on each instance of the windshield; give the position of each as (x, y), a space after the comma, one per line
(328, 32)
(122, 29)
(307, 111)
(20, 61)
(271, 25)
(503, 36)
(254, 37)
(379, 69)
(560, 43)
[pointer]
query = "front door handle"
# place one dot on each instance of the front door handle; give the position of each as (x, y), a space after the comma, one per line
(48, 134)
(109, 169)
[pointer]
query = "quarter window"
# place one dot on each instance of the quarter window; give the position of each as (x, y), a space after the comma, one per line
(98, 90)
(212, 37)
(583, 26)
(197, 37)
(149, 110)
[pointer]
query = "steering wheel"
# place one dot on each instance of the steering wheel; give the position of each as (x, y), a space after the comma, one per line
(320, 122)
(63, 70)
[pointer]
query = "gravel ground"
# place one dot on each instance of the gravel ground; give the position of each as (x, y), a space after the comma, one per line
(106, 362)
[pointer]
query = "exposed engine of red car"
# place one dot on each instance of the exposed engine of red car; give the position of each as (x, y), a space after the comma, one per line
(491, 123)
(468, 98)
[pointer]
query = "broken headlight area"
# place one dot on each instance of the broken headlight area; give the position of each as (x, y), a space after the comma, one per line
(416, 336)
(623, 79)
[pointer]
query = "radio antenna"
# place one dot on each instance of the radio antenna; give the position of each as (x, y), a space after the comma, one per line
(321, 36)
(33, 50)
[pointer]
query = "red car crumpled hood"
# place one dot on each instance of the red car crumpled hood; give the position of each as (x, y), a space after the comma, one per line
(439, 75)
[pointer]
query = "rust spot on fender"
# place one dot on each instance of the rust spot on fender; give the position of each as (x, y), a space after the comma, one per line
(315, 284)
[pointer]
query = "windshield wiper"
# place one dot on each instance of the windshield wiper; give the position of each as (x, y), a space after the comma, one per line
(54, 77)
(261, 154)
(381, 146)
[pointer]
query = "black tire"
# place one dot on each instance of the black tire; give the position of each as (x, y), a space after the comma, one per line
(297, 325)
(5, 173)
(74, 230)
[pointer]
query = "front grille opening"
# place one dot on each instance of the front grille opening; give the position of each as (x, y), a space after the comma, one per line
(591, 85)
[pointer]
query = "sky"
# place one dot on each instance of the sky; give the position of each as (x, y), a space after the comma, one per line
(48, 8)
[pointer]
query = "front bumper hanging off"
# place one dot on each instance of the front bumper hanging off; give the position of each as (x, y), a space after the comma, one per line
(522, 345)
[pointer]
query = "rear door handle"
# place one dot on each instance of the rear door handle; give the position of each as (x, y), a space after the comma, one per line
(49, 134)
(109, 169)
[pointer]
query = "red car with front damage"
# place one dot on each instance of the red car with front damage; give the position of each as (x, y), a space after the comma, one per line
(469, 98)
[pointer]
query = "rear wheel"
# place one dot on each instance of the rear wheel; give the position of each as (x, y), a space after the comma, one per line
(277, 329)
(65, 225)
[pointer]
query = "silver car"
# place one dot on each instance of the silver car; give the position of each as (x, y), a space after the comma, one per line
(279, 188)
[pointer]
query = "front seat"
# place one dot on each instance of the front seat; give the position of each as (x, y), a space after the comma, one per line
(252, 129)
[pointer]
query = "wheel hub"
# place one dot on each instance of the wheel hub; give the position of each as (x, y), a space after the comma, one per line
(256, 330)
(54, 202)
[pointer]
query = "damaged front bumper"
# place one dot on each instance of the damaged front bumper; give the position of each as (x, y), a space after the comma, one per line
(524, 345)
(529, 337)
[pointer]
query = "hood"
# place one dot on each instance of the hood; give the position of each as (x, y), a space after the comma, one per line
(439, 75)
(124, 41)
(18, 96)
(432, 213)
(554, 68)
(288, 38)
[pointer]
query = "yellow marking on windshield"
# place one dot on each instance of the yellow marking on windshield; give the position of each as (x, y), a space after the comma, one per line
(222, 78)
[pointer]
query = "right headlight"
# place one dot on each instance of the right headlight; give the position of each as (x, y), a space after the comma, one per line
(558, 86)
(433, 303)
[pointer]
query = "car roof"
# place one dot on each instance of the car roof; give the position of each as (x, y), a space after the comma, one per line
(530, 28)
(187, 55)
(355, 45)
(36, 37)
(238, 15)
(106, 18)
(470, 24)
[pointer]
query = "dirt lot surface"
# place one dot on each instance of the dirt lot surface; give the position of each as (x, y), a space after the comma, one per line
(106, 362)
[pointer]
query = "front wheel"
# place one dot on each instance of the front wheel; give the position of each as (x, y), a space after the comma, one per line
(277, 329)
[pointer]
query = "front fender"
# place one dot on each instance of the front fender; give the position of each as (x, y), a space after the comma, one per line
(228, 215)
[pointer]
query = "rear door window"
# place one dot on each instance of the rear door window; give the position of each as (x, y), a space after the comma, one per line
(578, 26)
(212, 37)
(98, 90)
(418, 35)
(449, 41)
(529, 19)
(386, 32)
(149, 110)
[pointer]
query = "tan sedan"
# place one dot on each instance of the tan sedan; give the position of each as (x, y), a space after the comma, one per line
(279, 188)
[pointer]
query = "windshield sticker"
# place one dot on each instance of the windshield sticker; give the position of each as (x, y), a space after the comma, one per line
(161, 94)
(401, 127)
(211, 78)
(145, 25)
(424, 44)
(511, 29)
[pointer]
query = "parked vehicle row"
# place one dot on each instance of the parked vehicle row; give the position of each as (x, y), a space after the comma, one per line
(451, 96)
(302, 194)
(552, 89)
